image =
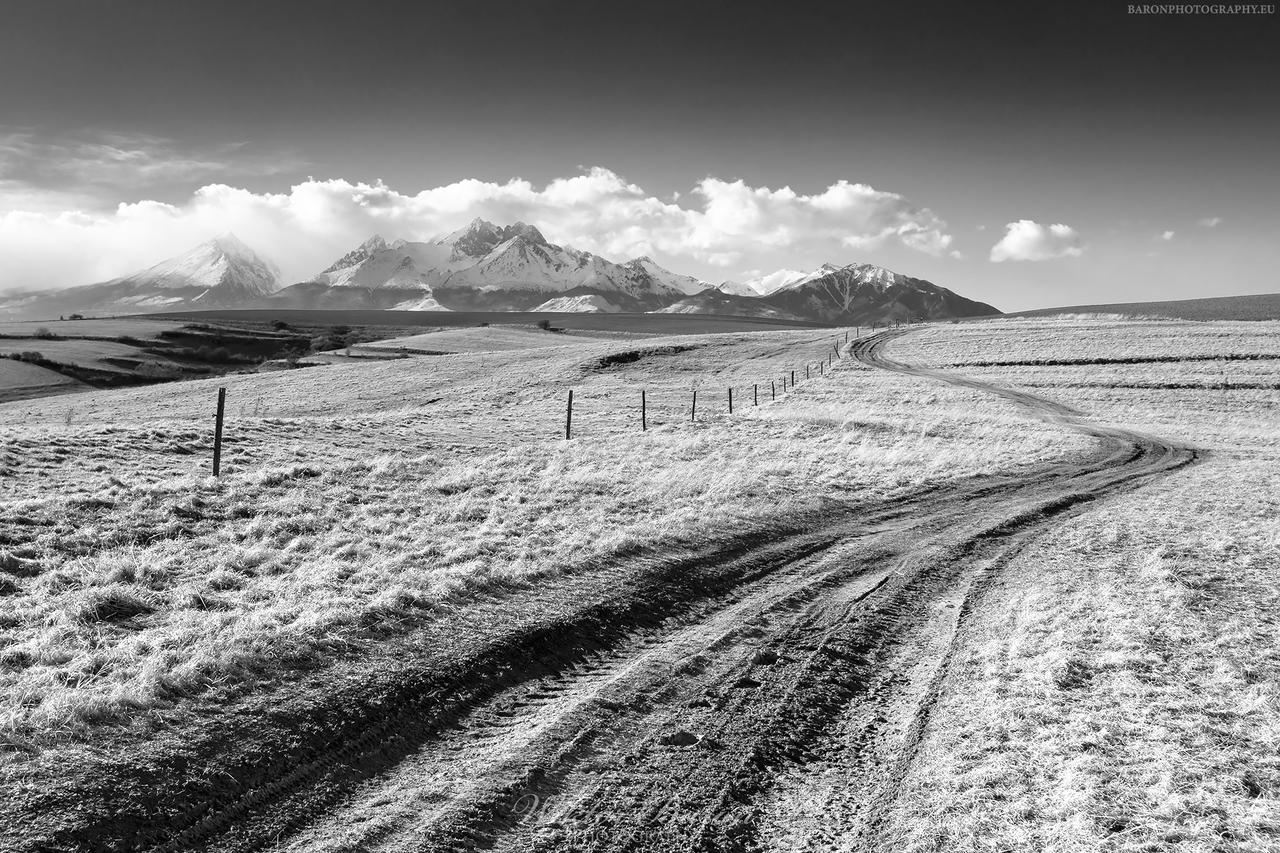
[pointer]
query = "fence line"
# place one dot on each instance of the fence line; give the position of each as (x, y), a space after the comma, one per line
(755, 388)
(568, 415)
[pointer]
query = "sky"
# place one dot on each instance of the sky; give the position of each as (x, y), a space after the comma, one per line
(1027, 155)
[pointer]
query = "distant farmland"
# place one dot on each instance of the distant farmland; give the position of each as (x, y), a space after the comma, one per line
(1262, 306)
(664, 324)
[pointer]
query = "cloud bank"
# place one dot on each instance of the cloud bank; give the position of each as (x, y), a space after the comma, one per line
(1027, 240)
(720, 223)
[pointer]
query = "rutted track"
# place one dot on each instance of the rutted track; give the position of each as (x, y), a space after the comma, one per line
(771, 696)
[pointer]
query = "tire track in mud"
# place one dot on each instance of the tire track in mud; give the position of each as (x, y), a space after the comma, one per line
(682, 714)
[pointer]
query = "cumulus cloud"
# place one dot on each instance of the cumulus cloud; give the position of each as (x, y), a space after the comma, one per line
(1166, 236)
(1027, 240)
(1210, 222)
(723, 224)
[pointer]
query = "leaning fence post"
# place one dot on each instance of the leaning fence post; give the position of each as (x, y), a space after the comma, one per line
(568, 416)
(217, 432)
(644, 418)
(693, 410)
(731, 401)
(806, 371)
(773, 391)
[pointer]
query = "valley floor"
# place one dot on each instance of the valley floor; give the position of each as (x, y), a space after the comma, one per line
(893, 608)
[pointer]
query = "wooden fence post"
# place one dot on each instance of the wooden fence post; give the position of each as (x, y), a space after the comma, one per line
(773, 391)
(693, 410)
(793, 379)
(644, 417)
(568, 416)
(217, 432)
(731, 401)
(755, 394)
(806, 371)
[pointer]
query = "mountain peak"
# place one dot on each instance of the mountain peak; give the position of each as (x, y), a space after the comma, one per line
(524, 230)
(374, 243)
(228, 243)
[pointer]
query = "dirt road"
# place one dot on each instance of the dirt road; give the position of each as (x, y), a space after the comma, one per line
(768, 696)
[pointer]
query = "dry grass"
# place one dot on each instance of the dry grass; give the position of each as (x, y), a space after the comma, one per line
(402, 489)
(484, 339)
(1084, 337)
(1119, 687)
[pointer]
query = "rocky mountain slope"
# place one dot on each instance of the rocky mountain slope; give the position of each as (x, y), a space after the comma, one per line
(487, 267)
(863, 293)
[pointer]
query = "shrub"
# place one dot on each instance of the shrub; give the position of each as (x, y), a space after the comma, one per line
(545, 325)
(279, 325)
(156, 370)
(45, 334)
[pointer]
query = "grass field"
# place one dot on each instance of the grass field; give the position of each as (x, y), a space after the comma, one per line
(364, 498)
(469, 339)
(68, 356)
(141, 328)
(1120, 689)
(20, 380)
(1113, 687)
(105, 356)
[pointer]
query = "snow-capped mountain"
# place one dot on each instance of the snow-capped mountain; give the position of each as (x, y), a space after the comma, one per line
(485, 266)
(868, 293)
(738, 288)
(578, 305)
(221, 273)
(225, 268)
(686, 284)
(764, 285)
(716, 301)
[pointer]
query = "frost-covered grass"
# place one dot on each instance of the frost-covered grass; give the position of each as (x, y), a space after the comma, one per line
(1118, 689)
(129, 592)
(1026, 339)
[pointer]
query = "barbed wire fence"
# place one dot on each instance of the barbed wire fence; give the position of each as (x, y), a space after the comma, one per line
(779, 386)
